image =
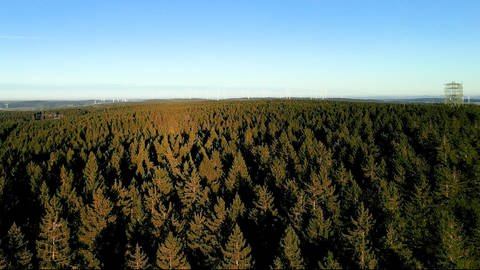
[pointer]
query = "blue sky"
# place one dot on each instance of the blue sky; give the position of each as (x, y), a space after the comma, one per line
(228, 48)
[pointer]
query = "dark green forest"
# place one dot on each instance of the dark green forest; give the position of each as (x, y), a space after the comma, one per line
(265, 184)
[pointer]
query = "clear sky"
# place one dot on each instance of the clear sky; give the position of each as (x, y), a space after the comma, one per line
(177, 48)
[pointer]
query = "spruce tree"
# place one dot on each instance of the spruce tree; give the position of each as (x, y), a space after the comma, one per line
(236, 254)
(53, 249)
(453, 252)
(137, 259)
(358, 239)
(329, 262)
(291, 255)
(319, 227)
(91, 174)
(197, 236)
(17, 253)
(162, 182)
(237, 209)
(192, 193)
(95, 218)
(238, 173)
(66, 192)
(170, 254)
(264, 204)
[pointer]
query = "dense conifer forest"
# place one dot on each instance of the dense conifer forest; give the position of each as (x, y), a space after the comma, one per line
(241, 184)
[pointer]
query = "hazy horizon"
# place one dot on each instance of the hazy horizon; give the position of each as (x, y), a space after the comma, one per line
(152, 49)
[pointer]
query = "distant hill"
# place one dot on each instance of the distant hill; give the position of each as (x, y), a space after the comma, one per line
(50, 104)
(57, 104)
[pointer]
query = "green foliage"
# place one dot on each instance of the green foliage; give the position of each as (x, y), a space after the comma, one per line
(237, 209)
(91, 174)
(263, 205)
(453, 252)
(53, 250)
(170, 254)
(95, 218)
(236, 254)
(358, 236)
(112, 181)
(319, 227)
(329, 262)
(16, 251)
(136, 259)
(193, 193)
(291, 255)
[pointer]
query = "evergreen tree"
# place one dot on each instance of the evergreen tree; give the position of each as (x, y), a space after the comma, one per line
(449, 183)
(453, 253)
(162, 181)
(53, 250)
(66, 192)
(170, 254)
(159, 215)
(291, 256)
(95, 218)
(418, 215)
(263, 204)
(218, 216)
(236, 254)
(279, 170)
(193, 193)
(320, 192)
(36, 176)
(17, 253)
(238, 173)
(329, 262)
(358, 239)
(299, 209)
(197, 236)
(237, 209)
(319, 227)
(91, 174)
(136, 259)
(211, 169)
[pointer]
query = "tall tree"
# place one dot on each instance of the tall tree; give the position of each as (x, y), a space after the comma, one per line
(67, 193)
(192, 193)
(197, 237)
(263, 205)
(238, 173)
(170, 254)
(237, 209)
(95, 218)
(321, 192)
(53, 250)
(91, 174)
(319, 227)
(453, 252)
(291, 255)
(236, 254)
(211, 169)
(358, 239)
(17, 253)
(136, 259)
(329, 262)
